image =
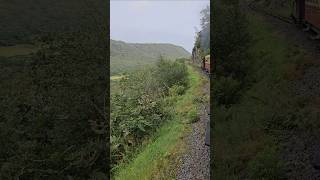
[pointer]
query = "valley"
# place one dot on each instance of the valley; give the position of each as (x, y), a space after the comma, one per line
(126, 57)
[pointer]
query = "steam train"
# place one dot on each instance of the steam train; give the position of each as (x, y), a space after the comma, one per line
(307, 12)
(205, 64)
(199, 59)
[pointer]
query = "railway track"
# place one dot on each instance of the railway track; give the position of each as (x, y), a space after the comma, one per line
(265, 12)
(289, 20)
(207, 111)
(205, 108)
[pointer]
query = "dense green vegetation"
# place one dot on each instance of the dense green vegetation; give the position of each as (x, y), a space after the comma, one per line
(140, 105)
(254, 101)
(22, 23)
(53, 120)
(152, 106)
(132, 56)
(158, 155)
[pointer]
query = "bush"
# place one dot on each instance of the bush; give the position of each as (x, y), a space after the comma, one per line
(176, 90)
(193, 116)
(170, 73)
(52, 117)
(266, 165)
(231, 40)
(226, 91)
(142, 103)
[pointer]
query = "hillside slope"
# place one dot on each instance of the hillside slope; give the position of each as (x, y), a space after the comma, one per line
(21, 22)
(130, 56)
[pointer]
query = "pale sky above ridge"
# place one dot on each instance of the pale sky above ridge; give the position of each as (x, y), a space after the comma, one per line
(156, 21)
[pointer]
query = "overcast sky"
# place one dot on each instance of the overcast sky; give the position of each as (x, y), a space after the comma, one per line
(156, 21)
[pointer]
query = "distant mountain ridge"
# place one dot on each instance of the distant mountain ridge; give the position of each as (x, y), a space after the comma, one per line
(129, 56)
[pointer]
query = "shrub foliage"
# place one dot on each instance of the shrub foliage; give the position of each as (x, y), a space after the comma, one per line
(53, 120)
(142, 104)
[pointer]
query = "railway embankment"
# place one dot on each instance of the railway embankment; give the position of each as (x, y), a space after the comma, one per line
(195, 163)
(299, 144)
(163, 155)
(270, 132)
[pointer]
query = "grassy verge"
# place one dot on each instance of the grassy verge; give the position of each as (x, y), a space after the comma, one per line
(116, 77)
(160, 158)
(281, 9)
(246, 134)
(21, 49)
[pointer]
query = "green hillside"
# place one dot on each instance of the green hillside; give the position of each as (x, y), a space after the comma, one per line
(130, 56)
(22, 22)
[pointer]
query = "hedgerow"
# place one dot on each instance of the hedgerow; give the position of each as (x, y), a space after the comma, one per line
(142, 104)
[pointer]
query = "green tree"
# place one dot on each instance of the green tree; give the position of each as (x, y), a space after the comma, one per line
(205, 17)
(53, 117)
(230, 40)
